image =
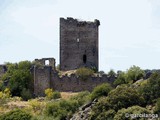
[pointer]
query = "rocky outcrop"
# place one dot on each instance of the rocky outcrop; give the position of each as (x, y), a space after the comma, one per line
(84, 112)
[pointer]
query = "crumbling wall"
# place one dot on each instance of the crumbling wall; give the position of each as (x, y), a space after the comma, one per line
(51, 62)
(75, 84)
(42, 79)
(45, 77)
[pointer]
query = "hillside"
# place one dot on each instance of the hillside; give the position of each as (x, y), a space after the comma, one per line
(134, 94)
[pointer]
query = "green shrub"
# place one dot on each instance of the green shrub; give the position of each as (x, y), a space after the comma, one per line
(101, 110)
(123, 114)
(123, 97)
(26, 94)
(50, 94)
(106, 115)
(157, 107)
(111, 73)
(84, 73)
(134, 73)
(16, 115)
(150, 91)
(5, 96)
(121, 79)
(56, 95)
(62, 109)
(19, 77)
(81, 98)
(101, 90)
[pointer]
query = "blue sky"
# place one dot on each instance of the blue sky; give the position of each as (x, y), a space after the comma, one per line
(129, 33)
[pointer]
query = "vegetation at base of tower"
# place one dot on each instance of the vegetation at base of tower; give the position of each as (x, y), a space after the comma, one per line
(19, 79)
(133, 74)
(84, 73)
(50, 94)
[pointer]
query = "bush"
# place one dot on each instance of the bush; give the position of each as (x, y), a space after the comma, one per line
(101, 90)
(62, 109)
(134, 73)
(16, 115)
(84, 73)
(81, 98)
(26, 94)
(5, 96)
(111, 73)
(52, 95)
(121, 114)
(150, 91)
(100, 110)
(123, 97)
(56, 95)
(157, 107)
(37, 106)
(19, 77)
(121, 79)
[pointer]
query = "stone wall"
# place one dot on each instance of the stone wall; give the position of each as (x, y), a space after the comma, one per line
(42, 79)
(46, 77)
(78, 43)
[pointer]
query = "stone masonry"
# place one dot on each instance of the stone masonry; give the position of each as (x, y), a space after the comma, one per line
(78, 44)
(47, 77)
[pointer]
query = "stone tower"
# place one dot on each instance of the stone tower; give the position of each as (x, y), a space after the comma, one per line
(78, 44)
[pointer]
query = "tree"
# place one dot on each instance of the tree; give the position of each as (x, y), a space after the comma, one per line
(128, 113)
(121, 79)
(150, 90)
(121, 97)
(101, 90)
(134, 73)
(19, 77)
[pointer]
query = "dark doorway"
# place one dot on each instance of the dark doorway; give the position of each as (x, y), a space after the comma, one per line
(84, 59)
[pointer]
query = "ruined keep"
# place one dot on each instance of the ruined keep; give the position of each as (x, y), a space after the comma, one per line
(78, 44)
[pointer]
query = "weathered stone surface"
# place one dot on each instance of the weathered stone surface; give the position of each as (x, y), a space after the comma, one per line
(78, 43)
(85, 111)
(51, 62)
(46, 77)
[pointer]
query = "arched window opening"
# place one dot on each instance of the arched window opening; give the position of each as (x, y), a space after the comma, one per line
(46, 62)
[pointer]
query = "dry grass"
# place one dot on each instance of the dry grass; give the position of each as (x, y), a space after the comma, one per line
(67, 95)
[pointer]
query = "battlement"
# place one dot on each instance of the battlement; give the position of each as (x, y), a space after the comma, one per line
(45, 77)
(80, 23)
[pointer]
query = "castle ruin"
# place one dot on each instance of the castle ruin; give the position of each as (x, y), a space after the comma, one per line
(78, 48)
